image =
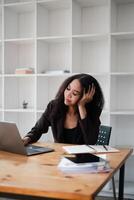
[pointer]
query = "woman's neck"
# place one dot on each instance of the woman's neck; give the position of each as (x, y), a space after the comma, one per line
(71, 110)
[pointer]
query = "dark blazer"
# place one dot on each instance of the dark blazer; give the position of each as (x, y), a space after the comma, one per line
(89, 126)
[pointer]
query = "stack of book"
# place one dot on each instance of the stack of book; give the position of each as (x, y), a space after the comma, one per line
(83, 163)
(86, 158)
(26, 70)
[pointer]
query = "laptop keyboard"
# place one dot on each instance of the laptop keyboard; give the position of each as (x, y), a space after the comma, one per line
(31, 149)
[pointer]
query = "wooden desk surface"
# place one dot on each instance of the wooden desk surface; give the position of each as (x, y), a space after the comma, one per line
(39, 176)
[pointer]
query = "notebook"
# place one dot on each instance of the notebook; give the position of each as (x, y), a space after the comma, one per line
(75, 149)
(10, 140)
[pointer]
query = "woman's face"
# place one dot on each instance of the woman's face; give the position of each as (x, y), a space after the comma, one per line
(72, 93)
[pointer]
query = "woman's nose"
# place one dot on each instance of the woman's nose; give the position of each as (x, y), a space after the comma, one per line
(69, 94)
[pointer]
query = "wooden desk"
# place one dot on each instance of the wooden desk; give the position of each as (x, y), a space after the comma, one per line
(38, 176)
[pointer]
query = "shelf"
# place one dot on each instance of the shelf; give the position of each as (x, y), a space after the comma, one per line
(122, 74)
(19, 54)
(42, 101)
(17, 90)
(120, 96)
(122, 112)
(122, 130)
(20, 110)
(123, 35)
(16, 2)
(19, 75)
(91, 37)
(51, 13)
(53, 55)
(122, 61)
(19, 117)
(60, 38)
(93, 51)
(54, 38)
(21, 17)
(20, 41)
(87, 12)
(122, 13)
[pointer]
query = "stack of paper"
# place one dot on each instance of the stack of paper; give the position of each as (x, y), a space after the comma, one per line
(74, 149)
(68, 166)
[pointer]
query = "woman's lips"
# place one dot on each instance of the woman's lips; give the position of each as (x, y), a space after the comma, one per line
(68, 100)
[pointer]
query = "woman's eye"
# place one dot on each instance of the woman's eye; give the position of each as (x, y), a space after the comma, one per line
(68, 88)
(75, 94)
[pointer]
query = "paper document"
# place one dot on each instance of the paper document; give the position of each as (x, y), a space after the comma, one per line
(66, 165)
(74, 149)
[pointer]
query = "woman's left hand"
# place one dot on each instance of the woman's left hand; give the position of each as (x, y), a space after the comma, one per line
(87, 97)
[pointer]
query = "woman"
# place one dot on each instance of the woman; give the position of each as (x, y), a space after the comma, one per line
(74, 114)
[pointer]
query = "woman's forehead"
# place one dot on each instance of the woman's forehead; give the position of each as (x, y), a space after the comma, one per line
(75, 84)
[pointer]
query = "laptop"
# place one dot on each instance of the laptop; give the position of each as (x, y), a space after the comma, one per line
(10, 140)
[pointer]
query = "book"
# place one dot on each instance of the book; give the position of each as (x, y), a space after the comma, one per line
(74, 149)
(68, 164)
(24, 71)
(57, 71)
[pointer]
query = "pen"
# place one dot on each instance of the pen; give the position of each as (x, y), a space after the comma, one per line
(91, 147)
(105, 148)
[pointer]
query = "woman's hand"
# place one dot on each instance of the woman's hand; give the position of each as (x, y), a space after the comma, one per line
(26, 140)
(87, 97)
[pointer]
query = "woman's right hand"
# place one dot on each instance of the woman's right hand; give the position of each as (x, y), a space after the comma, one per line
(26, 140)
(87, 97)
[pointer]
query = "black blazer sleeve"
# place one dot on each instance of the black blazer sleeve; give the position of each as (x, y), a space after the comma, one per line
(41, 125)
(90, 127)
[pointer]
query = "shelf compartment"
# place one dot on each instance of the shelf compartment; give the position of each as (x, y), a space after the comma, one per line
(121, 60)
(54, 83)
(53, 55)
(122, 128)
(19, 21)
(54, 18)
(122, 92)
(19, 54)
(18, 118)
(18, 89)
(104, 118)
(122, 13)
(90, 16)
(104, 84)
(89, 55)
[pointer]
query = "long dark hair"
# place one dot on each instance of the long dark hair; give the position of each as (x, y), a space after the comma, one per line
(85, 80)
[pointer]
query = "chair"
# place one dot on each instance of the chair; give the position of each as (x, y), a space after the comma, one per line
(103, 139)
(104, 135)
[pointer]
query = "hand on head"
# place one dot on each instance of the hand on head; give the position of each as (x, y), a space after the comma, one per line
(87, 96)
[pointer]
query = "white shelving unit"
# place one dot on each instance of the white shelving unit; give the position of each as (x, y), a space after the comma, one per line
(58, 38)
